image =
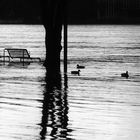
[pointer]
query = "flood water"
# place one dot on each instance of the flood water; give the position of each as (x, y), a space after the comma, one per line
(97, 105)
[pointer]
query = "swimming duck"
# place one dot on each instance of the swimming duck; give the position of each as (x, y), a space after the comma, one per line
(125, 74)
(75, 72)
(80, 67)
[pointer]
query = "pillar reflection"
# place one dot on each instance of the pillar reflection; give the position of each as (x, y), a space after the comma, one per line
(54, 123)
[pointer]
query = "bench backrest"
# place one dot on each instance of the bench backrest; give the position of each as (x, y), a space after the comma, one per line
(18, 53)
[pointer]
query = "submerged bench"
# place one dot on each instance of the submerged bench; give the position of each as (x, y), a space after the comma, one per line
(21, 54)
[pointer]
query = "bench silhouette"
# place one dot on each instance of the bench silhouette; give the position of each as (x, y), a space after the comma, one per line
(21, 54)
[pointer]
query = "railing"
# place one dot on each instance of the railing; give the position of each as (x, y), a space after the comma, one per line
(21, 54)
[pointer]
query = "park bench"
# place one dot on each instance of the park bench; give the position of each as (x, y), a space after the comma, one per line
(20, 54)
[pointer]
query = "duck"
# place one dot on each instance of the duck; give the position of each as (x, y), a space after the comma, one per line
(76, 72)
(80, 67)
(125, 74)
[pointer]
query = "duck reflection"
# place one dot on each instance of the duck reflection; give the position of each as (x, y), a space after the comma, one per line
(55, 110)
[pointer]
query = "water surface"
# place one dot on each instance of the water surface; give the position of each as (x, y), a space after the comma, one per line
(99, 104)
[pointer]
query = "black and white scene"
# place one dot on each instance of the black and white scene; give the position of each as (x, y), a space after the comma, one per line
(69, 69)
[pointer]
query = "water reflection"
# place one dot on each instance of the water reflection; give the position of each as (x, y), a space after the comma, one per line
(54, 123)
(16, 64)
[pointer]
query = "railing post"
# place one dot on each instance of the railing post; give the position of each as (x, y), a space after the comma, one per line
(4, 55)
(23, 57)
(65, 37)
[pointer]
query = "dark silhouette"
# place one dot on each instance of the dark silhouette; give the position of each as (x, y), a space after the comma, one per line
(21, 54)
(55, 106)
(79, 11)
(55, 110)
(76, 72)
(126, 75)
(52, 18)
(80, 66)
